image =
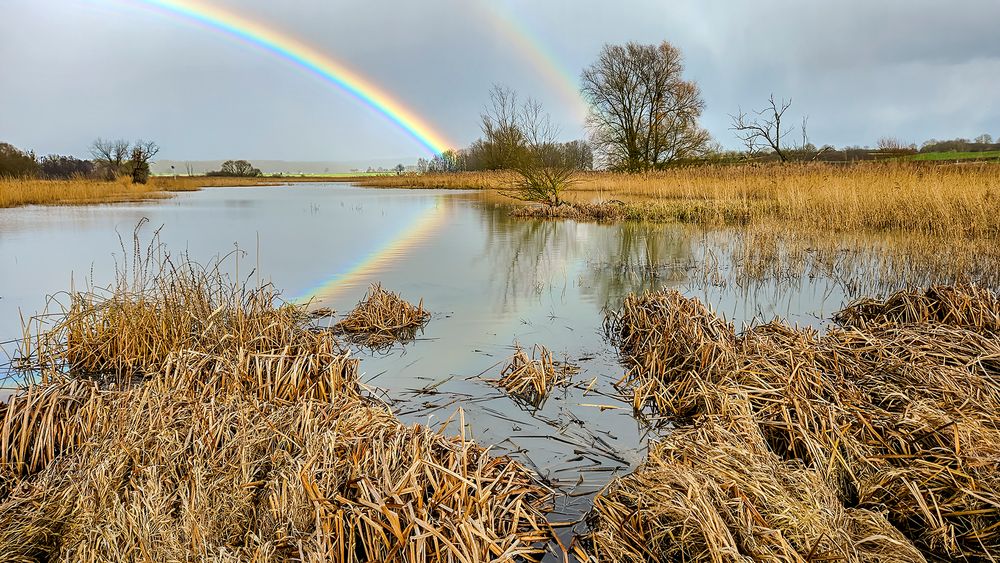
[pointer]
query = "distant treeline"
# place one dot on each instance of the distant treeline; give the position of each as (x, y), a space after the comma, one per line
(111, 160)
(483, 155)
(237, 169)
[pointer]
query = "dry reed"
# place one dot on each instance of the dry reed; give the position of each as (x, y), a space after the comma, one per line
(17, 192)
(532, 378)
(715, 493)
(957, 201)
(219, 425)
(383, 318)
(897, 414)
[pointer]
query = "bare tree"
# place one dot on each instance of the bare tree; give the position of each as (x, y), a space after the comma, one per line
(110, 155)
(521, 137)
(890, 144)
(501, 124)
(984, 139)
(643, 114)
(142, 154)
(765, 130)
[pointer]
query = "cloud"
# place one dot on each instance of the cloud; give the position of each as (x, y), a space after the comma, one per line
(77, 70)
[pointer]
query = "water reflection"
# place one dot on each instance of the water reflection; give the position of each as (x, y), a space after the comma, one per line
(488, 279)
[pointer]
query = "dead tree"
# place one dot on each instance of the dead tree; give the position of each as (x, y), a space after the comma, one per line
(110, 155)
(765, 130)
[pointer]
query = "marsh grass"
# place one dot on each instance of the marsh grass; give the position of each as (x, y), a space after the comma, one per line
(383, 318)
(17, 192)
(532, 378)
(929, 199)
(894, 413)
(178, 416)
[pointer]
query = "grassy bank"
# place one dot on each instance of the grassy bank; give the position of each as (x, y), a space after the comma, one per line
(955, 200)
(955, 156)
(18, 192)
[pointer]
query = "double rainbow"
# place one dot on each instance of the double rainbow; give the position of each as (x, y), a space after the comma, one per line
(309, 59)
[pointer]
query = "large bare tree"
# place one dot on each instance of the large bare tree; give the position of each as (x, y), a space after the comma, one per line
(643, 113)
(110, 155)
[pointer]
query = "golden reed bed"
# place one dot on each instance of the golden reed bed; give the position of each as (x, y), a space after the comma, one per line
(932, 199)
(18, 192)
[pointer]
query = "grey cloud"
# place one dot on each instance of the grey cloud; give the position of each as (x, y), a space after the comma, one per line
(75, 70)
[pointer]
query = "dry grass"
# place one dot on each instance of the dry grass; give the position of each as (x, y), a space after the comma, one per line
(18, 192)
(223, 427)
(532, 378)
(939, 200)
(383, 318)
(895, 413)
(715, 493)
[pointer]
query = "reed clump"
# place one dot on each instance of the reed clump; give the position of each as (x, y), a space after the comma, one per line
(896, 414)
(243, 436)
(714, 492)
(580, 211)
(964, 305)
(383, 318)
(167, 472)
(532, 378)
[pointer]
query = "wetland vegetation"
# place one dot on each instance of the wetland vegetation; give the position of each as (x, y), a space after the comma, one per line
(180, 410)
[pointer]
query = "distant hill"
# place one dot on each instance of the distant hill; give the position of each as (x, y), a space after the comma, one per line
(162, 167)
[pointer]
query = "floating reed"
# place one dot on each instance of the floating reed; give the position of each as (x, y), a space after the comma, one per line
(383, 318)
(898, 414)
(225, 428)
(532, 378)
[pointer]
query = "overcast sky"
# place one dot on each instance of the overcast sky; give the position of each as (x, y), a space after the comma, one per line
(72, 70)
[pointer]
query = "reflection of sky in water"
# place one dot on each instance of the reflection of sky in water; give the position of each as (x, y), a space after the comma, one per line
(490, 281)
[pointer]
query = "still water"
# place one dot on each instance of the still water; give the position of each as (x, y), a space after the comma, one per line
(489, 280)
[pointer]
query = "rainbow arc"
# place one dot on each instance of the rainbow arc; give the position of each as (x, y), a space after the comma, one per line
(307, 58)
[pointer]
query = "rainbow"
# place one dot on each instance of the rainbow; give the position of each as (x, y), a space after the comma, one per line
(548, 66)
(404, 240)
(307, 58)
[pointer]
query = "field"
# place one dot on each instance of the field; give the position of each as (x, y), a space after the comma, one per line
(954, 155)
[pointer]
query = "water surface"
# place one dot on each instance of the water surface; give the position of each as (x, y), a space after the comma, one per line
(489, 280)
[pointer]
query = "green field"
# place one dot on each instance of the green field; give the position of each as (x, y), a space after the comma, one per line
(954, 155)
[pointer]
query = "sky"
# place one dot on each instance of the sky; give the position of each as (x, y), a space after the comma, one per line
(74, 70)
